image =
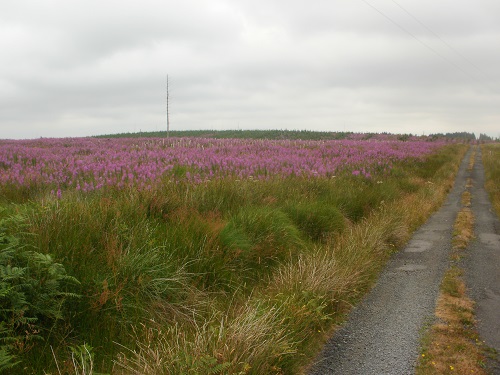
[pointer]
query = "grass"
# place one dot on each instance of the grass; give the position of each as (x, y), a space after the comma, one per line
(233, 277)
(491, 161)
(453, 345)
(463, 229)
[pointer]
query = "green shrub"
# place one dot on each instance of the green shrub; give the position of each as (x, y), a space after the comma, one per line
(33, 289)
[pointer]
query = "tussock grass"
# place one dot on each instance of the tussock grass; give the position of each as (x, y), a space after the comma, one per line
(318, 221)
(233, 277)
(270, 331)
(491, 161)
(260, 235)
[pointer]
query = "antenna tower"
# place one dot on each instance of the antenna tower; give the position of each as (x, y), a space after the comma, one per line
(168, 113)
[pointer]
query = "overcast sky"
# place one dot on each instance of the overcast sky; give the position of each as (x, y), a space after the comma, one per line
(88, 67)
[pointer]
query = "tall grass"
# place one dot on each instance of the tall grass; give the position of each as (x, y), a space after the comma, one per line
(491, 161)
(228, 276)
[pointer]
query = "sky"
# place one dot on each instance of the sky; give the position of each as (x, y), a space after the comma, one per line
(72, 68)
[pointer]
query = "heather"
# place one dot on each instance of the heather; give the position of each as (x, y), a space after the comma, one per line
(184, 255)
(93, 164)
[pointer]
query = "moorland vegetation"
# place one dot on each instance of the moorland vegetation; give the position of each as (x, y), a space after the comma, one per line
(192, 255)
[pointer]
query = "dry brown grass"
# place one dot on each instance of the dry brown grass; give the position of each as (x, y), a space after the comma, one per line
(463, 229)
(469, 183)
(466, 199)
(491, 161)
(453, 346)
(472, 159)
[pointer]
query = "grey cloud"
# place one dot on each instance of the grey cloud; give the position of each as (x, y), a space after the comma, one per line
(88, 67)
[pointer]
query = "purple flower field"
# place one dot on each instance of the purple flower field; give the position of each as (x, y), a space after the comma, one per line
(89, 164)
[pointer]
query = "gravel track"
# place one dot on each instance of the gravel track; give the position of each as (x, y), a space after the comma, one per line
(482, 264)
(382, 334)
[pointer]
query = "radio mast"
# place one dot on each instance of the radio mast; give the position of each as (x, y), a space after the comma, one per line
(168, 113)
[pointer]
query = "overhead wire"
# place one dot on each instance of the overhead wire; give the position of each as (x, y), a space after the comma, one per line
(458, 53)
(456, 66)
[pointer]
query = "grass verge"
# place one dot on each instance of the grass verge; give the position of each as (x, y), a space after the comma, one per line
(491, 162)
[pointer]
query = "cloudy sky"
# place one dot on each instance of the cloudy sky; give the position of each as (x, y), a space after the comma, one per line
(88, 67)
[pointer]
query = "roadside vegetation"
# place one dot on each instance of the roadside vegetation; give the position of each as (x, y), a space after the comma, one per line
(229, 275)
(491, 161)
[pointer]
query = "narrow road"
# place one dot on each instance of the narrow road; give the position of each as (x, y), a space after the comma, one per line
(382, 334)
(482, 264)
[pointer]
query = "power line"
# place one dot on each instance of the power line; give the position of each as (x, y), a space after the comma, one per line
(422, 42)
(168, 111)
(442, 40)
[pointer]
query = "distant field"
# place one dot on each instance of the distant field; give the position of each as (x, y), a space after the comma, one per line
(251, 134)
(199, 255)
(291, 135)
(89, 164)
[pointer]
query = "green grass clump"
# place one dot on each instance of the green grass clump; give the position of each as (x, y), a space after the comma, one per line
(318, 221)
(257, 235)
